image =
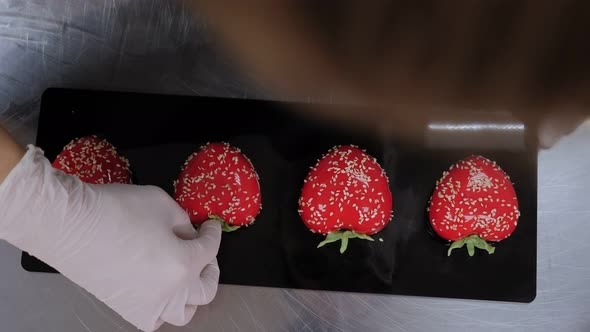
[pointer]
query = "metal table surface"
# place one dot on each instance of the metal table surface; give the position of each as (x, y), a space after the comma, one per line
(158, 46)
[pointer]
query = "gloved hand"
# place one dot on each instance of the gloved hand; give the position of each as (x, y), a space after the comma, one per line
(131, 246)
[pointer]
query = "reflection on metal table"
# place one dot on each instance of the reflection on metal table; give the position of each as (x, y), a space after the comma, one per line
(154, 46)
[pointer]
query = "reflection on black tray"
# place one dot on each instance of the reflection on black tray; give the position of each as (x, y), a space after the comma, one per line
(157, 133)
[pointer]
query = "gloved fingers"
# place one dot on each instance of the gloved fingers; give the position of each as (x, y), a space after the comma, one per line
(153, 327)
(210, 235)
(177, 311)
(185, 231)
(203, 292)
(205, 247)
(179, 215)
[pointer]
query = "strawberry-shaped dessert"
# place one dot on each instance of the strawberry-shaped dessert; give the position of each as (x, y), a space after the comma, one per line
(219, 182)
(474, 203)
(93, 160)
(346, 195)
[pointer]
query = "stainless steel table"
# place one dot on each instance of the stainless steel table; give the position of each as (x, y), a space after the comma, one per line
(158, 46)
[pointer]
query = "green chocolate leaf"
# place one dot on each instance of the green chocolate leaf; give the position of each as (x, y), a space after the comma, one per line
(470, 248)
(225, 227)
(482, 244)
(364, 237)
(344, 243)
(472, 242)
(215, 217)
(456, 245)
(331, 237)
(343, 236)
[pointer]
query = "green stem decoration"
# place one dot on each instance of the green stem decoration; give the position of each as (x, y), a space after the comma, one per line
(472, 242)
(343, 236)
(224, 226)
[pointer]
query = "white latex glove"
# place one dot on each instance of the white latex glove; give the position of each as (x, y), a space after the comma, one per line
(131, 246)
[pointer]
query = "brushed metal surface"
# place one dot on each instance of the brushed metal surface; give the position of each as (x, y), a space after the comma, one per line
(157, 46)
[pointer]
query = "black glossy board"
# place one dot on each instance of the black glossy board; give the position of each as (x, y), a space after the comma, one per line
(157, 133)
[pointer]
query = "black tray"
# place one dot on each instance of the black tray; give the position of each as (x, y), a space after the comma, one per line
(157, 133)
